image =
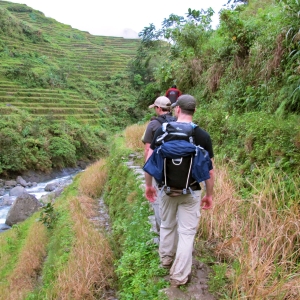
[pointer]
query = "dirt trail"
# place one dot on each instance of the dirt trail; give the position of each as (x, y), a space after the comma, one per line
(196, 289)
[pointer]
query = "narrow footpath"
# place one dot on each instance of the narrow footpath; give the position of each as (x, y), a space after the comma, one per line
(198, 286)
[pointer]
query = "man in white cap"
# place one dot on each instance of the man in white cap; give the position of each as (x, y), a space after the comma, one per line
(162, 106)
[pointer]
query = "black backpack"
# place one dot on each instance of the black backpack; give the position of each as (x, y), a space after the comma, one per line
(165, 118)
(178, 170)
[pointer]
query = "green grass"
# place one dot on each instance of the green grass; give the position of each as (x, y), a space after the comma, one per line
(11, 243)
(137, 265)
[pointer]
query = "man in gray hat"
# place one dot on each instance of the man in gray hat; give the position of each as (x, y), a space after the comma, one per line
(180, 213)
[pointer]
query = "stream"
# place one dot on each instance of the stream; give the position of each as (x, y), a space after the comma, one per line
(38, 191)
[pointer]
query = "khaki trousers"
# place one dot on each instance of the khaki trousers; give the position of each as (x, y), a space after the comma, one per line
(156, 207)
(179, 220)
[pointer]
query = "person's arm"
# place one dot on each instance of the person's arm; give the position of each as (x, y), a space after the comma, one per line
(207, 200)
(148, 136)
(150, 191)
(146, 150)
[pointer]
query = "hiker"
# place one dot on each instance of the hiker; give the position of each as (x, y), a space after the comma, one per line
(173, 93)
(180, 212)
(162, 106)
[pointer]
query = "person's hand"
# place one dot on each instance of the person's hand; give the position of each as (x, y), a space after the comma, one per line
(206, 202)
(150, 193)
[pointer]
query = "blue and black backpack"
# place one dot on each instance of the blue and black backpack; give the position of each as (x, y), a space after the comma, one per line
(176, 163)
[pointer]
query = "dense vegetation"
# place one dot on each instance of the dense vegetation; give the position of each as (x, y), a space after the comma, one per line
(61, 91)
(245, 76)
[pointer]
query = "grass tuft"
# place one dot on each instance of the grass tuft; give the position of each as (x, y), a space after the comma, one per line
(24, 276)
(92, 180)
(133, 135)
(89, 270)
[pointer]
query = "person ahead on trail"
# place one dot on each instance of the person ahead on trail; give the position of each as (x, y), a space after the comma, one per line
(173, 93)
(162, 107)
(180, 209)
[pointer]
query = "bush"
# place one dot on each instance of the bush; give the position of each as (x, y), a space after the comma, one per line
(62, 151)
(19, 8)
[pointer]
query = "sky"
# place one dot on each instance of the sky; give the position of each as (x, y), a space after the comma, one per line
(118, 17)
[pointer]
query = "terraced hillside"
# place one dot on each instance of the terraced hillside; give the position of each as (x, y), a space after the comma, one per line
(52, 70)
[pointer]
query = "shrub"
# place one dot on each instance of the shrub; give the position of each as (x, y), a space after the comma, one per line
(62, 151)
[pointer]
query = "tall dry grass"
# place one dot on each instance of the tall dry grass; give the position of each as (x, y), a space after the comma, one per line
(262, 239)
(93, 179)
(133, 136)
(89, 270)
(25, 275)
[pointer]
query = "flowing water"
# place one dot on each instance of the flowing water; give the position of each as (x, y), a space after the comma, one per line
(38, 191)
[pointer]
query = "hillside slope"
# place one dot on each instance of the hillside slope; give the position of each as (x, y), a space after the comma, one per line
(61, 91)
(39, 54)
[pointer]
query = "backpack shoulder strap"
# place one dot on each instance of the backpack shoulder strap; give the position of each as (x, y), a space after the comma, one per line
(165, 118)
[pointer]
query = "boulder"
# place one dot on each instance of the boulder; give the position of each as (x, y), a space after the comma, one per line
(23, 207)
(2, 192)
(21, 181)
(10, 183)
(51, 187)
(4, 227)
(17, 191)
(7, 200)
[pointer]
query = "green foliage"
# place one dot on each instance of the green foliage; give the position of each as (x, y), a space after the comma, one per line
(61, 150)
(250, 62)
(185, 36)
(238, 34)
(148, 95)
(217, 279)
(32, 143)
(19, 8)
(48, 216)
(137, 265)
(32, 76)
(255, 141)
(13, 27)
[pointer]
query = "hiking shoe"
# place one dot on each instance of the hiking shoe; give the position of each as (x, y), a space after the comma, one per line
(176, 283)
(166, 262)
(166, 266)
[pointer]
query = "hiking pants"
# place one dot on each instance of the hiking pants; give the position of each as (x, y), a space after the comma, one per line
(179, 220)
(156, 208)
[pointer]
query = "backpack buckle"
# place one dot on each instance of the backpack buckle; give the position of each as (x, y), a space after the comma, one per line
(184, 191)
